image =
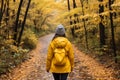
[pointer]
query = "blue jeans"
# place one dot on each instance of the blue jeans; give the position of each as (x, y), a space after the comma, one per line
(60, 76)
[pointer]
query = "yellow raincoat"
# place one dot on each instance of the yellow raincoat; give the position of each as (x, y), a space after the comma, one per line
(50, 66)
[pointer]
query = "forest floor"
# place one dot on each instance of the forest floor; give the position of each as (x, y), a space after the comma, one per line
(86, 67)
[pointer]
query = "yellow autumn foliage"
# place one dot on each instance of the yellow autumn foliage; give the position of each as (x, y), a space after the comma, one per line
(30, 39)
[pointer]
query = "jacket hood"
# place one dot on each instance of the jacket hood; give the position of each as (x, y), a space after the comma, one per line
(60, 42)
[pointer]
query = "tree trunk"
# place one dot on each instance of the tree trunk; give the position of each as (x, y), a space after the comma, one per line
(101, 26)
(14, 0)
(86, 35)
(23, 24)
(16, 22)
(68, 2)
(74, 4)
(112, 30)
(7, 18)
(7, 12)
(2, 10)
(75, 15)
(72, 29)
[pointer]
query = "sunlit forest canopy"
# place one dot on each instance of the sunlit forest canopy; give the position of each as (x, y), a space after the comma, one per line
(94, 24)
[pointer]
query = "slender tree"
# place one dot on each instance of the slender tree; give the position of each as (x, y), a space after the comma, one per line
(75, 15)
(112, 30)
(68, 2)
(7, 12)
(23, 24)
(72, 29)
(17, 19)
(7, 18)
(75, 21)
(2, 10)
(86, 35)
(101, 26)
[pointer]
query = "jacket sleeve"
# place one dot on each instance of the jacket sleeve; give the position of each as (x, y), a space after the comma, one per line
(71, 56)
(49, 57)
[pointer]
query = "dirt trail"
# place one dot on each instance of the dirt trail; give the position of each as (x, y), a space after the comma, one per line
(86, 68)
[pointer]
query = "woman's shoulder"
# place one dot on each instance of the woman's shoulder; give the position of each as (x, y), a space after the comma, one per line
(59, 39)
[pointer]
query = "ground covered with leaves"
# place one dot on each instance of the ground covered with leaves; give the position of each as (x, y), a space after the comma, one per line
(86, 67)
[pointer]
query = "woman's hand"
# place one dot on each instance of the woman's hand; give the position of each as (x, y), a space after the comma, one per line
(47, 70)
(71, 69)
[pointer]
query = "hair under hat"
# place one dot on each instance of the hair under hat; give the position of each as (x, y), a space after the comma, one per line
(60, 30)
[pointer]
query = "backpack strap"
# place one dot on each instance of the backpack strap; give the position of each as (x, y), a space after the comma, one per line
(66, 52)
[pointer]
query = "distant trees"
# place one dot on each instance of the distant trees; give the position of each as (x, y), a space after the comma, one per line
(19, 21)
(17, 15)
(100, 21)
(84, 24)
(10, 54)
(5, 12)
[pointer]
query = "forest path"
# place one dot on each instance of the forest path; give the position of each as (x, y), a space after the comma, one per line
(86, 68)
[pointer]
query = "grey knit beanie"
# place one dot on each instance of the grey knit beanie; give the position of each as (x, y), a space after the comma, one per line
(60, 30)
